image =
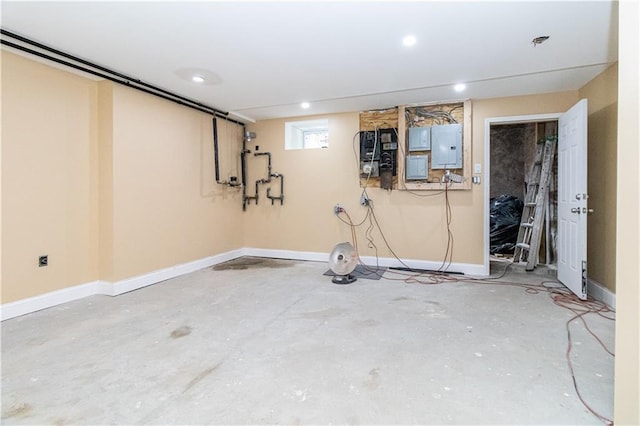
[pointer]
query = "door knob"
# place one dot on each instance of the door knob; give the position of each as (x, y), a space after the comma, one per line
(586, 210)
(575, 210)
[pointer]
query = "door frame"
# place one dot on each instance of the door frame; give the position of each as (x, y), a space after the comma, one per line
(488, 122)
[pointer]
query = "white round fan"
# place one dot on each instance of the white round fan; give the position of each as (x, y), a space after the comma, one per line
(342, 261)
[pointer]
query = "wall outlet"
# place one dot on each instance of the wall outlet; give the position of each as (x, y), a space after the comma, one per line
(364, 200)
(43, 261)
(452, 177)
(336, 209)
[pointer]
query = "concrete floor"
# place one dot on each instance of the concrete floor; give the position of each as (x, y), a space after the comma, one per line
(278, 343)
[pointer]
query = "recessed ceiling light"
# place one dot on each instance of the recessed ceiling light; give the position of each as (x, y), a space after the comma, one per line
(459, 87)
(199, 76)
(305, 105)
(409, 40)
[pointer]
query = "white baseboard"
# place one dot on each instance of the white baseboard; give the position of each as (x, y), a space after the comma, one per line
(601, 293)
(69, 294)
(135, 283)
(286, 254)
(48, 300)
(464, 268)
(426, 265)
(54, 298)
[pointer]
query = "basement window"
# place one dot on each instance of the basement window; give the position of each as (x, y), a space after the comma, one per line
(306, 134)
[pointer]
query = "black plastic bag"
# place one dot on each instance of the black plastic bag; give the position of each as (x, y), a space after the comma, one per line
(505, 213)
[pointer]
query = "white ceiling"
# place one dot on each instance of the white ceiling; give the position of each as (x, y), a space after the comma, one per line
(339, 56)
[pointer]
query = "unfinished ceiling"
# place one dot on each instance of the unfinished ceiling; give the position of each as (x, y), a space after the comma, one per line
(261, 60)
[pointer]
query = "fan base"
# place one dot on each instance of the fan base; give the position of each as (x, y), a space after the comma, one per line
(343, 279)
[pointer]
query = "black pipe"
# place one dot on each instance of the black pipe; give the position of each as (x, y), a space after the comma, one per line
(233, 180)
(215, 148)
(255, 197)
(243, 167)
(99, 74)
(109, 75)
(281, 196)
(101, 68)
(137, 84)
(268, 154)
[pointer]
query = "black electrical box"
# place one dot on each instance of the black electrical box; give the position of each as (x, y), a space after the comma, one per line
(369, 146)
(380, 146)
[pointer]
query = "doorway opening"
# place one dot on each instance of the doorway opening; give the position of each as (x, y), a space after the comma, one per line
(510, 149)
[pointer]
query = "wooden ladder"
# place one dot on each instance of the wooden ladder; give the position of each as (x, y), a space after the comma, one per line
(535, 200)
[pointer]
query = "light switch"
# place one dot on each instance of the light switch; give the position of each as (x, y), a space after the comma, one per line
(477, 168)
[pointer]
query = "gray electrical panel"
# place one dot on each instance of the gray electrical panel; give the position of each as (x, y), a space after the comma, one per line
(419, 138)
(446, 146)
(417, 167)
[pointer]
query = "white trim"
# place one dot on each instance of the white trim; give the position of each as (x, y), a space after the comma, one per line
(313, 256)
(601, 293)
(488, 122)
(465, 268)
(426, 265)
(140, 281)
(48, 300)
(54, 298)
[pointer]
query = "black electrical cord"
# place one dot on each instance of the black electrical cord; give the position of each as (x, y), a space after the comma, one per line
(560, 295)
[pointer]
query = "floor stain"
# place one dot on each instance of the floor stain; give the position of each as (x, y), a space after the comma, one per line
(248, 262)
(201, 376)
(185, 330)
(402, 298)
(374, 379)
(17, 410)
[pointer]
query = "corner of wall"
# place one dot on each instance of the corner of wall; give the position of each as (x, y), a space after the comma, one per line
(105, 180)
(602, 95)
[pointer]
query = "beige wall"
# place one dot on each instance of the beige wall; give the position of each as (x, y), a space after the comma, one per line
(627, 363)
(315, 180)
(167, 209)
(105, 180)
(49, 182)
(602, 93)
(111, 183)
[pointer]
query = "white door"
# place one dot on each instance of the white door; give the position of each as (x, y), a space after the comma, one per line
(572, 199)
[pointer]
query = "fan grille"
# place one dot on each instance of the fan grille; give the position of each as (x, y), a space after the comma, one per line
(343, 259)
